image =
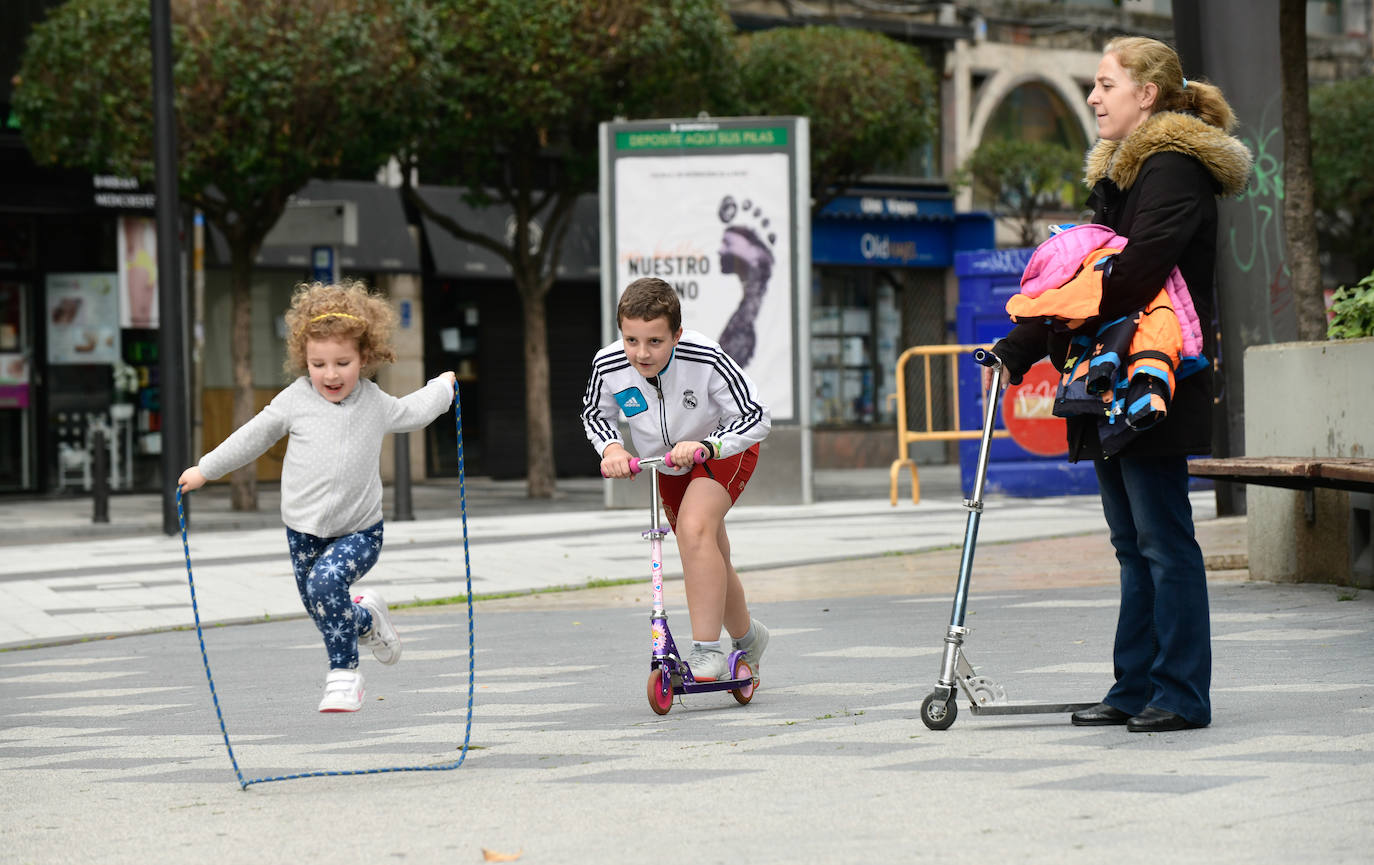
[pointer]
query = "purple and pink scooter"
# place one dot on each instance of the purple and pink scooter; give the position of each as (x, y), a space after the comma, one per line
(669, 673)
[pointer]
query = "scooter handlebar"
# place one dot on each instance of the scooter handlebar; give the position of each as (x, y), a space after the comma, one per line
(986, 358)
(698, 457)
(638, 465)
(635, 465)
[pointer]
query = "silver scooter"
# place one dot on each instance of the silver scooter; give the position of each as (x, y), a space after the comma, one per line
(986, 697)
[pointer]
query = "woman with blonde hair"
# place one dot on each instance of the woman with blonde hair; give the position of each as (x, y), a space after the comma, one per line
(1164, 156)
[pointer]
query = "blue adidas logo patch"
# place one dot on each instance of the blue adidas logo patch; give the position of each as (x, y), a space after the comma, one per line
(632, 402)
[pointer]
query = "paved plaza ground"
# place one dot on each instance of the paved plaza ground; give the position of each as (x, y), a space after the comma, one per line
(112, 751)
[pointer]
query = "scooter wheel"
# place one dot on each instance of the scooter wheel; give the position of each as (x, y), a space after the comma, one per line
(745, 693)
(660, 692)
(938, 714)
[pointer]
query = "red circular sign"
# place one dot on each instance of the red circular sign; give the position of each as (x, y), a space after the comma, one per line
(1028, 412)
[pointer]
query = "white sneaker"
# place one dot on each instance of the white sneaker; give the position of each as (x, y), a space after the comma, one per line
(707, 664)
(383, 640)
(343, 691)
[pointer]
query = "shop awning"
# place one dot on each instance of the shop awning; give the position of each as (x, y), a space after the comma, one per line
(581, 254)
(889, 206)
(384, 242)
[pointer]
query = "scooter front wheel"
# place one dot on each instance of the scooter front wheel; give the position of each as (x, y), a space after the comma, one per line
(938, 714)
(660, 691)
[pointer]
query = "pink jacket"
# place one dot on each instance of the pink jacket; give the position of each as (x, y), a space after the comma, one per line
(1055, 262)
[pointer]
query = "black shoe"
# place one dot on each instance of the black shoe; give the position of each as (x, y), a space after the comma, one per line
(1100, 715)
(1154, 720)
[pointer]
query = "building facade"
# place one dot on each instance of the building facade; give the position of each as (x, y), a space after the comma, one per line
(75, 353)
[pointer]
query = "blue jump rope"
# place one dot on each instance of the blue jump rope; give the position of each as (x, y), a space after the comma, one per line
(467, 566)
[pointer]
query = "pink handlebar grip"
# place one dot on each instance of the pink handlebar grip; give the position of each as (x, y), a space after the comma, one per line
(634, 467)
(699, 457)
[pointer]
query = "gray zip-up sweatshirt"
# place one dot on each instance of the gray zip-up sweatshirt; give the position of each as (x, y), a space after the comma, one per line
(331, 481)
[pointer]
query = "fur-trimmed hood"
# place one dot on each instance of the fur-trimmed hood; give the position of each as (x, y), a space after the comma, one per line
(1227, 159)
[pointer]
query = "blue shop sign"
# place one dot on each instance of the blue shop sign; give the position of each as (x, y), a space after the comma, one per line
(895, 232)
(911, 244)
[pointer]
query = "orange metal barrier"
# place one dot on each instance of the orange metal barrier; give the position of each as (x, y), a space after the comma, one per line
(906, 436)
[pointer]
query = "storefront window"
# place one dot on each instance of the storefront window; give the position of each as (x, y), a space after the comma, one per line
(855, 328)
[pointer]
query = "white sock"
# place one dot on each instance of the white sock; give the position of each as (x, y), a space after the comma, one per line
(749, 635)
(714, 644)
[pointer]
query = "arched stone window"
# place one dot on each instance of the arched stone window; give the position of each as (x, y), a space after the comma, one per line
(1032, 111)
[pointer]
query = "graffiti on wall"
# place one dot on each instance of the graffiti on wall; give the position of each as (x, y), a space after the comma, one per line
(1256, 241)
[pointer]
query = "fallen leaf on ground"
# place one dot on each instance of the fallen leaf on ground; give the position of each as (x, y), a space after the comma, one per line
(497, 856)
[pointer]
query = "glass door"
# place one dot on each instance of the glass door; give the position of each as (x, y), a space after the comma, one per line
(855, 328)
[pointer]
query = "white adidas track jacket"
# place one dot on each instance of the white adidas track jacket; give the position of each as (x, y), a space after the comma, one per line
(702, 395)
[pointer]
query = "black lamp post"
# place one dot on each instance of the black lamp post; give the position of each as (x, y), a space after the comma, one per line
(172, 384)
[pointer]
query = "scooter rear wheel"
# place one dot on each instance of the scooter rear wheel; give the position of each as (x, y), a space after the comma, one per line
(746, 693)
(659, 691)
(938, 714)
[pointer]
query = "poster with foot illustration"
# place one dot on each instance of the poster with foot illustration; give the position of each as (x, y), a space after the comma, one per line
(711, 207)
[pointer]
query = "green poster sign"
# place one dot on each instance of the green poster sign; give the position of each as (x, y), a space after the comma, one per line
(666, 139)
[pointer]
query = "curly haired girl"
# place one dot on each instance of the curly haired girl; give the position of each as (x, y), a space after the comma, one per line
(331, 486)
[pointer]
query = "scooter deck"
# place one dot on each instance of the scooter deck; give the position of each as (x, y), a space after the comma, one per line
(703, 687)
(1028, 708)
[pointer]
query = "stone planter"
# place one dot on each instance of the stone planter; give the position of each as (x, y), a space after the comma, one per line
(1310, 399)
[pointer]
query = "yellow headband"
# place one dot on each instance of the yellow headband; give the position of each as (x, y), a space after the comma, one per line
(336, 315)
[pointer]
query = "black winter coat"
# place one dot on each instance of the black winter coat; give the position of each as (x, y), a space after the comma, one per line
(1157, 188)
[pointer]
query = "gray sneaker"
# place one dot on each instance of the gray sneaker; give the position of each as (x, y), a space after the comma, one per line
(753, 653)
(383, 640)
(708, 665)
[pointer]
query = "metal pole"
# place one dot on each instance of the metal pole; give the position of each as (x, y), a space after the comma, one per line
(401, 487)
(171, 309)
(100, 477)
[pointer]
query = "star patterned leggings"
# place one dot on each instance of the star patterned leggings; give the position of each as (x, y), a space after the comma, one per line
(326, 569)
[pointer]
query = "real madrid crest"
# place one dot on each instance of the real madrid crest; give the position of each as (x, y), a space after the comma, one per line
(689, 399)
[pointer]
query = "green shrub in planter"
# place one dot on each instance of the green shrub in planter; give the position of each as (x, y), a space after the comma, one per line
(1352, 310)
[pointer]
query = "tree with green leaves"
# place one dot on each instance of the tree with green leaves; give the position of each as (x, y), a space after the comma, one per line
(871, 100)
(521, 92)
(1025, 180)
(1342, 129)
(269, 95)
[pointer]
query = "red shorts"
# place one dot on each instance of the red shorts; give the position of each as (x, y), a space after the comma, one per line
(730, 472)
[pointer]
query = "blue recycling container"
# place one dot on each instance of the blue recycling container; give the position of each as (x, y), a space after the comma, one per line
(1034, 462)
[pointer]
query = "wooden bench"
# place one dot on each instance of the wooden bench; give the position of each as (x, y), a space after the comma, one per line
(1353, 474)
(1332, 548)
(1305, 474)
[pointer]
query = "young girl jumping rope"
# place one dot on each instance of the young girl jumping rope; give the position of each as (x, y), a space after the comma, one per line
(680, 392)
(331, 486)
